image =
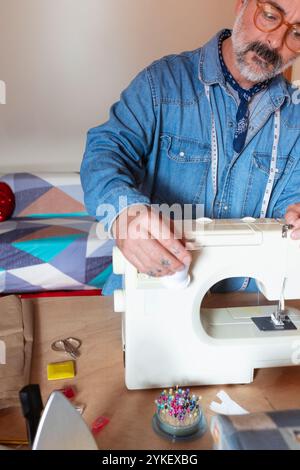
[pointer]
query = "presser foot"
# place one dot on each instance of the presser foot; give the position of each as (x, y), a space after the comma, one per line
(278, 321)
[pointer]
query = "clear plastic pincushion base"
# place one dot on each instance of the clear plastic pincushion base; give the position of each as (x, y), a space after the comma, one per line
(180, 433)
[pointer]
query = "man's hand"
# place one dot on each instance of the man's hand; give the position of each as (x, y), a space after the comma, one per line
(148, 241)
(293, 218)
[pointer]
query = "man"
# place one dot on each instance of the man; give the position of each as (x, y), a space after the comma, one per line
(217, 127)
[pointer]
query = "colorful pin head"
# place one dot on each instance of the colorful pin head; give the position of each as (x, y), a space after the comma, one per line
(178, 407)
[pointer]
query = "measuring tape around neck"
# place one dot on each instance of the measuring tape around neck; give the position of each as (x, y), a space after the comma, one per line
(273, 167)
(271, 178)
(214, 151)
(272, 172)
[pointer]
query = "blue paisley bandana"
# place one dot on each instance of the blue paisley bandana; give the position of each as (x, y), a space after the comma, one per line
(242, 116)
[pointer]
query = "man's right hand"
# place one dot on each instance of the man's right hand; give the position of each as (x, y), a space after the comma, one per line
(147, 240)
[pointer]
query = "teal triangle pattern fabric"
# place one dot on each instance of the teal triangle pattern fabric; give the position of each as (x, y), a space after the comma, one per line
(31, 261)
(47, 248)
(50, 243)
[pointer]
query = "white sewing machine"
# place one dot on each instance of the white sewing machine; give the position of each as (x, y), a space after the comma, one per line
(167, 339)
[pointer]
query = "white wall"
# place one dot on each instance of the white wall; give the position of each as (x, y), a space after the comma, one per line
(65, 62)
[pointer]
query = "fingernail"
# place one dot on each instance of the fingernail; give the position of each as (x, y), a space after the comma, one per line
(294, 236)
(182, 268)
(187, 261)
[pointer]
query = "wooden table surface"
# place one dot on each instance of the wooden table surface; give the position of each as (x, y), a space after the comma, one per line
(100, 376)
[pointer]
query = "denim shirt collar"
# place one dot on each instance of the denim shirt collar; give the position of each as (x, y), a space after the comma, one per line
(210, 73)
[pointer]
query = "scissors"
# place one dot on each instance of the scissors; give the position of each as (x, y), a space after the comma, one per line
(69, 345)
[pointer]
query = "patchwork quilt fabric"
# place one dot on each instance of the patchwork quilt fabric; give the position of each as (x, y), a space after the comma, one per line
(51, 243)
(46, 194)
(273, 430)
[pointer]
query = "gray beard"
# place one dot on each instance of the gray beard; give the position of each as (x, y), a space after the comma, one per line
(240, 49)
(257, 76)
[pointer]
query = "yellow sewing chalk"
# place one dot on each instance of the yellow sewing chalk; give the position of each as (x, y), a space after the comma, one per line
(61, 370)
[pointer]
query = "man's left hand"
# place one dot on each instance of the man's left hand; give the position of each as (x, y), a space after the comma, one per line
(293, 218)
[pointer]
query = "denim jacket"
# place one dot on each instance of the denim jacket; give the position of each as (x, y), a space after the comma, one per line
(156, 145)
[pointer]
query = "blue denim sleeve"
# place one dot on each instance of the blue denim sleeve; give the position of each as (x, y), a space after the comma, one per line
(114, 162)
(290, 195)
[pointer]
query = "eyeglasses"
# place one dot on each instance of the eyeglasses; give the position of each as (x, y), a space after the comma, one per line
(268, 18)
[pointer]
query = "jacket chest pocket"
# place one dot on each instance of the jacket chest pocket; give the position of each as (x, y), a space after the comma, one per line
(262, 165)
(183, 168)
(258, 177)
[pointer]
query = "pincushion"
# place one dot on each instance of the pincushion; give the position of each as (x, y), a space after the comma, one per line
(7, 202)
(179, 415)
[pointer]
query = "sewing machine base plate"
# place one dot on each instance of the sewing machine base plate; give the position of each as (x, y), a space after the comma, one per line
(266, 324)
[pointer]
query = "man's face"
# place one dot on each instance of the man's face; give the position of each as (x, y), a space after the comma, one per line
(262, 55)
